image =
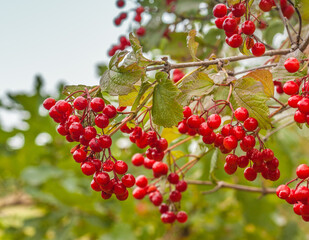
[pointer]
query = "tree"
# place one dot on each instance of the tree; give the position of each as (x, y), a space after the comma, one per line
(194, 118)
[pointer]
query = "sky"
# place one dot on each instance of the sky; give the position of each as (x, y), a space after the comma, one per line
(59, 39)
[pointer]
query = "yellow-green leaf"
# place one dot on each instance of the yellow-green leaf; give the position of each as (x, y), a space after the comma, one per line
(266, 78)
(192, 44)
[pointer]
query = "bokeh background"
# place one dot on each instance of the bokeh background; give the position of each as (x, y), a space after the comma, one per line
(44, 195)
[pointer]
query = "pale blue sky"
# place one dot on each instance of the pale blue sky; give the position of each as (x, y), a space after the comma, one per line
(59, 39)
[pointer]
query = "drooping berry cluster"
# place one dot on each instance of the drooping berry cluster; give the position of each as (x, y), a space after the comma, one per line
(299, 196)
(227, 139)
(153, 159)
(287, 9)
(93, 150)
(298, 100)
(238, 30)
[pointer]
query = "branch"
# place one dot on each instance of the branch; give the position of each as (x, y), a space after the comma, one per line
(218, 60)
(222, 184)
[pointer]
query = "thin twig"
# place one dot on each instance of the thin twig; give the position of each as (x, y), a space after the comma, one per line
(256, 68)
(239, 187)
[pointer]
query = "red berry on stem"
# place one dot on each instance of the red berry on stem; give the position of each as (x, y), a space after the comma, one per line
(250, 124)
(194, 121)
(97, 104)
(230, 142)
(49, 103)
(110, 111)
(302, 171)
(266, 5)
(229, 25)
(214, 121)
(258, 49)
(141, 181)
(293, 100)
(220, 10)
(283, 191)
(181, 186)
(128, 180)
(137, 159)
(175, 196)
(105, 141)
(88, 168)
(250, 174)
(241, 114)
(303, 105)
(219, 22)
(80, 103)
(238, 9)
(248, 27)
(291, 65)
(181, 217)
(120, 167)
(235, 41)
(290, 88)
(299, 117)
(141, 31)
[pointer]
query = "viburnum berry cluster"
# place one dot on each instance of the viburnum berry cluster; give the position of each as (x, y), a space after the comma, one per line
(241, 131)
(299, 196)
(74, 118)
(239, 26)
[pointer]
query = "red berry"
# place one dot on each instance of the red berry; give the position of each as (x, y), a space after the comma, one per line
(148, 163)
(302, 194)
(140, 31)
(230, 168)
(187, 112)
(241, 114)
(220, 10)
(290, 88)
(168, 217)
(231, 159)
(48, 103)
(210, 138)
(105, 141)
(268, 155)
(247, 143)
(120, 167)
(173, 178)
(128, 180)
(76, 129)
(108, 165)
(238, 132)
(175, 196)
(229, 25)
(137, 159)
(120, 3)
(110, 111)
(79, 155)
(101, 120)
(156, 198)
(181, 186)
(139, 10)
(243, 161)
(293, 100)
(159, 168)
(283, 191)
(219, 22)
(266, 5)
(238, 9)
(141, 181)
(235, 41)
(139, 193)
(250, 124)
(90, 132)
(182, 217)
(258, 49)
(250, 174)
(123, 196)
(102, 178)
(299, 117)
(105, 195)
(214, 121)
(163, 208)
(302, 171)
(80, 103)
(230, 142)
(288, 11)
(303, 105)
(88, 168)
(204, 130)
(96, 187)
(97, 104)
(296, 208)
(291, 65)
(161, 144)
(194, 121)
(248, 27)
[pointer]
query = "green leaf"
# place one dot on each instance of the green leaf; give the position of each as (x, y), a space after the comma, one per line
(213, 164)
(145, 88)
(273, 28)
(166, 111)
(123, 72)
(266, 78)
(249, 94)
(170, 134)
(192, 44)
(196, 83)
(244, 50)
(127, 100)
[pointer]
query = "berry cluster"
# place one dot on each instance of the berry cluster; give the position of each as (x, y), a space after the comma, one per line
(234, 27)
(91, 143)
(124, 42)
(227, 139)
(230, 24)
(298, 100)
(153, 159)
(299, 196)
(287, 9)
